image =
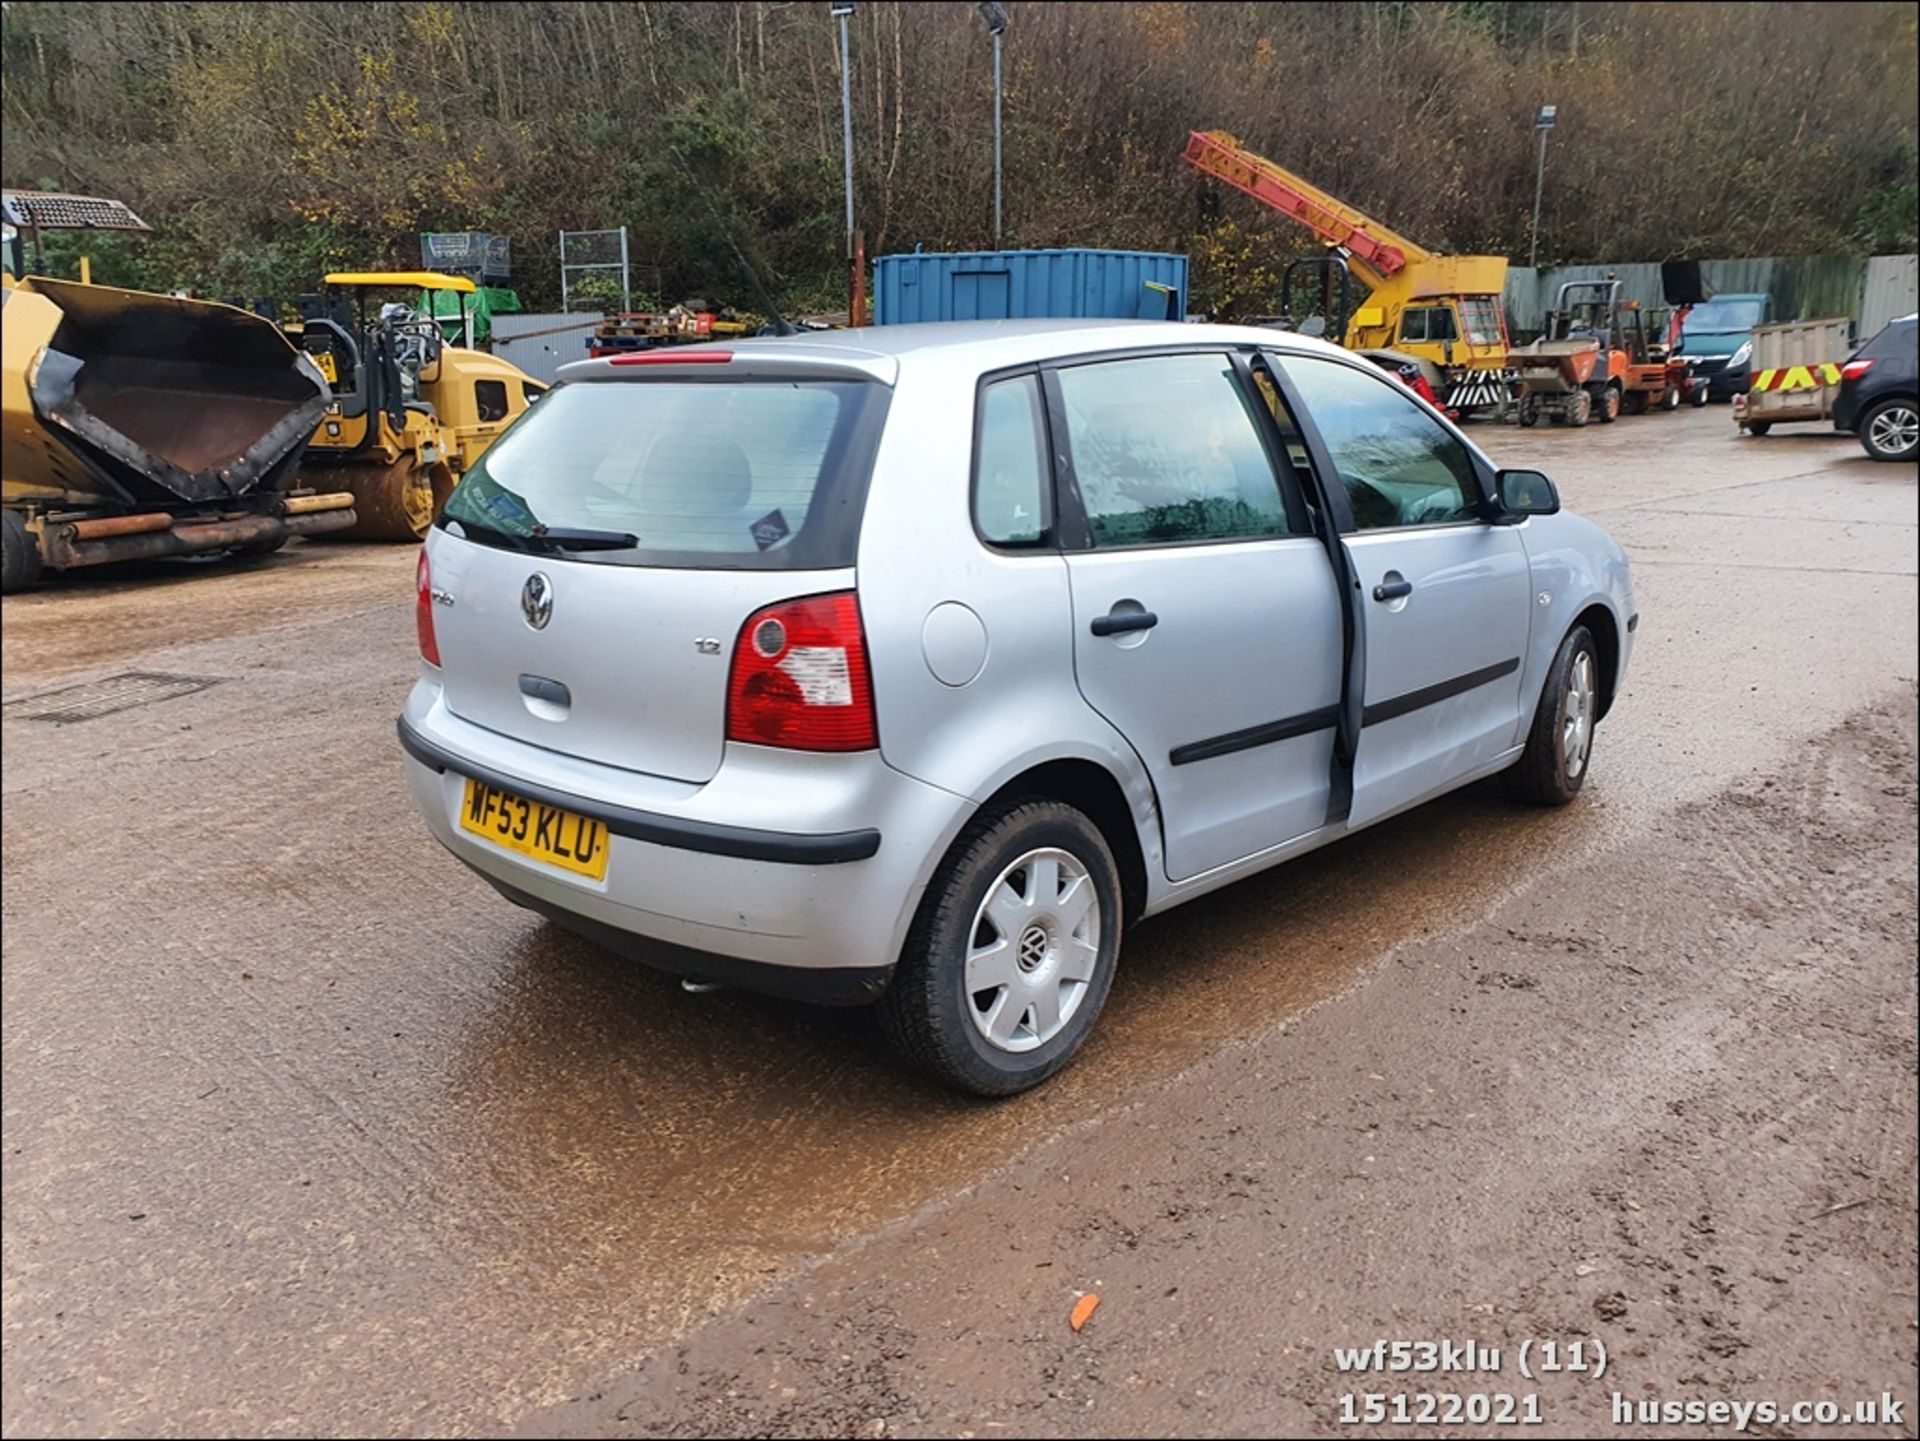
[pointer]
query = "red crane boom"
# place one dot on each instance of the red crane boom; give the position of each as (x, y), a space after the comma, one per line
(1215, 153)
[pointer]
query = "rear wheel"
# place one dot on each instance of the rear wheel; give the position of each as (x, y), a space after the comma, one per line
(1529, 411)
(1759, 427)
(1670, 398)
(1559, 749)
(20, 567)
(1891, 430)
(1012, 952)
(1579, 407)
(1607, 404)
(1701, 395)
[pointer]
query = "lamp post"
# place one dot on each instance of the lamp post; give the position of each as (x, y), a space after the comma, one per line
(996, 17)
(842, 10)
(1543, 122)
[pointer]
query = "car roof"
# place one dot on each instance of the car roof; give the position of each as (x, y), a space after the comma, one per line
(882, 351)
(1008, 342)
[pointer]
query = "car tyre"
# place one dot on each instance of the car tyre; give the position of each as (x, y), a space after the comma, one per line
(1701, 395)
(1890, 429)
(1559, 750)
(20, 567)
(1759, 427)
(1670, 398)
(942, 1011)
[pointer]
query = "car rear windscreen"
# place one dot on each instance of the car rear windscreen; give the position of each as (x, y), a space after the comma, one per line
(736, 474)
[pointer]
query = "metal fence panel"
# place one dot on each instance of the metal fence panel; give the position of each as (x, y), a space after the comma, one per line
(1892, 290)
(1868, 292)
(541, 344)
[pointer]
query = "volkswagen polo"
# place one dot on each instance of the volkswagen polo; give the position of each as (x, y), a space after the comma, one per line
(916, 665)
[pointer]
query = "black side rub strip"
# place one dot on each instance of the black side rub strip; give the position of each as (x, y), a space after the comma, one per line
(704, 836)
(1261, 735)
(1327, 716)
(1414, 700)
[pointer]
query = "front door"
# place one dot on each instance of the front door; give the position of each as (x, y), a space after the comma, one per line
(1445, 597)
(1206, 621)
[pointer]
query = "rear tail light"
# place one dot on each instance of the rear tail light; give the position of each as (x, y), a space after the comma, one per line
(1854, 369)
(800, 678)
(423, 609)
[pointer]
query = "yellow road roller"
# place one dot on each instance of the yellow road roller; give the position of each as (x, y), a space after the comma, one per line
(409, 413)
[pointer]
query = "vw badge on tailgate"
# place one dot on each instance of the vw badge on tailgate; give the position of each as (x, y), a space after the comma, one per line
(536, 600)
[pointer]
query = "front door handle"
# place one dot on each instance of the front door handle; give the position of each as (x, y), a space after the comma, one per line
(1119, 622)
(1392, 589)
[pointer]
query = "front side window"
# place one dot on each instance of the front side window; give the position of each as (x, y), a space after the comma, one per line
(1010, 470)
(1165, 450)
(1480, 315)
(1398, 466)
(490, 399)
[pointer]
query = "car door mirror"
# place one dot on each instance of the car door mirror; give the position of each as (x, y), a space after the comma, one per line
(1526, 492)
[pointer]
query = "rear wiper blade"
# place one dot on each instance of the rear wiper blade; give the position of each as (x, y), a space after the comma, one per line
(490, 534)
(561, 537)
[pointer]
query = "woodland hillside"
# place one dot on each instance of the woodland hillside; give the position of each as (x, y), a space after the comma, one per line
(268, 142)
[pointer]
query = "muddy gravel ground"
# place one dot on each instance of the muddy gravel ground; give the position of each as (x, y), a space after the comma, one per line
(308, 1132)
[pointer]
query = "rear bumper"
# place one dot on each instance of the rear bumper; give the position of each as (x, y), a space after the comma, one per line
(1847, 405)
(788, 873)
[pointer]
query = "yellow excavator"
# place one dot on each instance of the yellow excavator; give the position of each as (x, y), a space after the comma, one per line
(409, 413)
(1446, 312)
(139, 425)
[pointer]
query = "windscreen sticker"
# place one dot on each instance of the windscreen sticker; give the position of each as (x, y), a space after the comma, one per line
(770, 530)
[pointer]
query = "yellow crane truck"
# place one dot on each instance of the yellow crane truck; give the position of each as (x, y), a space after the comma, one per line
(1445, 311)
(409, 413)
(138, 425)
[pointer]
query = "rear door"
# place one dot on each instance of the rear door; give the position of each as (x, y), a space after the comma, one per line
(1206, 623)
(715, 498)
(1445, 597)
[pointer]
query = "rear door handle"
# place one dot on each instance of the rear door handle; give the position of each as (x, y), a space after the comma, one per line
(1392, 589)
(1119, 622)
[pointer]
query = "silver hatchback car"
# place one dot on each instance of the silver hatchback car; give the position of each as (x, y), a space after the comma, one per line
(913, 665)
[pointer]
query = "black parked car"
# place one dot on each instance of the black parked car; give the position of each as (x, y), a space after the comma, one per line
(1879, 398)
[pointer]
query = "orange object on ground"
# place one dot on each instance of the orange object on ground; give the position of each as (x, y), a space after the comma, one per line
(1086, 1307)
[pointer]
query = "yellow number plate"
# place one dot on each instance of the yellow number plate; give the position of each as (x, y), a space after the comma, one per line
(538, 831)
(325, 361)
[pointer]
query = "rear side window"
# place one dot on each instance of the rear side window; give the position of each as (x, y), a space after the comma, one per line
(1010, 469)
(1896, 339)
(736, 474)
(1428, 323)
(1166, 450)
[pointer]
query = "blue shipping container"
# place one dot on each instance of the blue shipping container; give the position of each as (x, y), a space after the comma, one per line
(1028, 284)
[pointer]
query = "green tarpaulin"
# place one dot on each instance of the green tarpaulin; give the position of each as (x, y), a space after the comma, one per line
(486, 302)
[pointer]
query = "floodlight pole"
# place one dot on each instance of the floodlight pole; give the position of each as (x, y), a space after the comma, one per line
(1543, 122)
(997, 35)
(996, 17)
